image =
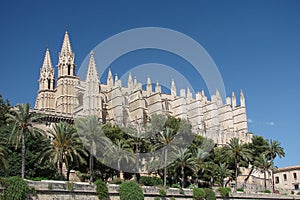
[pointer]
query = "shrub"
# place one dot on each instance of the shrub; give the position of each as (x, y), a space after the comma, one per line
(15, 188)
(209, 194)
(130, 190)
(101, 189)
(192, 186)
(172, 198)
(175, 185)
(298, 193)
(198, 194)
(224, 191)
(181, 191)
(156, 198)
(117, 181)
(150, 181)
(240, 190)
(162, 193)
(267, 191)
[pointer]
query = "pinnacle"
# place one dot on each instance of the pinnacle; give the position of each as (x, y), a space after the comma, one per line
(47, 64)
(66, 46)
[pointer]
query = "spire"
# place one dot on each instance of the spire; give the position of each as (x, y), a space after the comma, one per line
(233, 99)
(242, 99)
(66, 46)
(149, 86)
(66, 64)
(130, 83)
(157, 87)
(92, 74)
(189, 94)
(47, 64)
(110, 79)
(173, 88)
(116, 77)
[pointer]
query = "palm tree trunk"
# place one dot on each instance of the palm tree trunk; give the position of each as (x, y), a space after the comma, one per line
(23, 156)
(273, 184)
(182, 176)
(119, 166)
(236, 173)
(265, 180)
(248, 176)
(91, 163)
(61, 167)
(165, 168)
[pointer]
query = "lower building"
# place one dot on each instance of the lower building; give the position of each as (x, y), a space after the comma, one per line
(287, 178)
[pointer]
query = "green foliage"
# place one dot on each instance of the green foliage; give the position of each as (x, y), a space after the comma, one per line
(209, 194)
(15, 189)
(240, 190)
(130, 191)
(162, 192)
(150, 181)
(298, 193)
(192, 186)
(267, 191)
(172, 198)
(156, 198)
(117, 181)
(199, 194)
(224, 191)
(175, 185)
(101, 189)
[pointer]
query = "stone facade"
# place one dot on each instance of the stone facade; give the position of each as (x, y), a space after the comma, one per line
(287, 178)
(68, 96)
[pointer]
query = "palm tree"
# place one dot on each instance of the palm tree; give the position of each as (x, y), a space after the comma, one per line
(263, 165)
(238, 152)
(183, 160)
(273, 150)
(89, 129)
(23, 121)
(3, 157)
(164, 138)
(198, 160)
(222, 172)
(121, 151)
(65, 147)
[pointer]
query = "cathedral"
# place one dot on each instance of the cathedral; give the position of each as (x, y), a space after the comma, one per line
(66, 96)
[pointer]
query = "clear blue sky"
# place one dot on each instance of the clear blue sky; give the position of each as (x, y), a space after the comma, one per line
(255, 44)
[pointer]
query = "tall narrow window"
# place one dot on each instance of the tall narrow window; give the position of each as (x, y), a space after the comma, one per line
(284, 177)
(295, 175)
(69, 69)
(49, 84)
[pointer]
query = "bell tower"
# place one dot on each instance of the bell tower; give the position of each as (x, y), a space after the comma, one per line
(46, 94)
(66, 80)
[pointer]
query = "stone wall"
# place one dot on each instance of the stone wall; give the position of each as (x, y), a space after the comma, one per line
(61, 190)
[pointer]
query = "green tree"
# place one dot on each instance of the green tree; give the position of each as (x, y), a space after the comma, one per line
(199, 157)
(3, 156)
(89, 129)
(183, 160)
(239, 153)
(164, 138)
(121, 151)
(263, 165)
(258, 145)
(222, 172)
(23, 123)
(273, 150)
(65, 147)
